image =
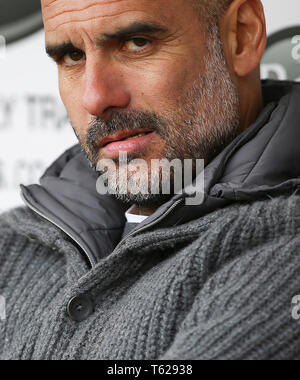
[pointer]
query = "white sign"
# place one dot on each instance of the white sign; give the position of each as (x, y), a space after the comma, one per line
(34, 128)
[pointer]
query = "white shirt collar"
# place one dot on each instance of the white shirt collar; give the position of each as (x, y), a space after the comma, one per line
(133, 218)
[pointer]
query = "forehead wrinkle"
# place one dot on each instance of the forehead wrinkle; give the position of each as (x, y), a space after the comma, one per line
(48, 3)
(57, 8)
(65, 10)
(89, 19)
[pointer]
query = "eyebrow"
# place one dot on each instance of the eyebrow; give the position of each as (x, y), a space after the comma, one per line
(132, 29)
(152, 28)
(55, 51)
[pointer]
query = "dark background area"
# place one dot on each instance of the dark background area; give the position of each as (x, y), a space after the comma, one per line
(19, 18)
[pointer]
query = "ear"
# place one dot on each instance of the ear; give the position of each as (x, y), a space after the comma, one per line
(243, 32)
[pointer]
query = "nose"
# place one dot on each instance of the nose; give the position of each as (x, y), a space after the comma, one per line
(104, 89)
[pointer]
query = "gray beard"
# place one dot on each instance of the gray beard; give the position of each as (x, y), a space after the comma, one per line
(206, 129)
(196, 130)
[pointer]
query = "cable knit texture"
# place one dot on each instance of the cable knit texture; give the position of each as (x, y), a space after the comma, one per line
(220, 287)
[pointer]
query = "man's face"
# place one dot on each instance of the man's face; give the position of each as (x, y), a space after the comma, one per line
(131, 67)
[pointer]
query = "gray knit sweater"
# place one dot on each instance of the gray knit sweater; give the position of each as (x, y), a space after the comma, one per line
(219, 287)
(210, 281)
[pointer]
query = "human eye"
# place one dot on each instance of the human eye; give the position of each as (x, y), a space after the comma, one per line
(72, 58)
(136, 45)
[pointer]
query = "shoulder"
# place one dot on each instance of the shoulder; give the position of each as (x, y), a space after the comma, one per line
(11, 222)
(251, 259)
(256, 246)
(249, 231)
(260, 221)
(286, 209)
(22, 223)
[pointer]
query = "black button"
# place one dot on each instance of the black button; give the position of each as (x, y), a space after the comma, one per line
(80, 308)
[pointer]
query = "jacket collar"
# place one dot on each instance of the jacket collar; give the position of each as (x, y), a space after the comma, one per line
(260, 163)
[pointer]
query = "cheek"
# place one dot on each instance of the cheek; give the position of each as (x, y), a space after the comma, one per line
(159, 89)
(71, 97)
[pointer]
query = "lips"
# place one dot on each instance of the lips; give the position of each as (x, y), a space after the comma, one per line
(123, 136)
(129, 141)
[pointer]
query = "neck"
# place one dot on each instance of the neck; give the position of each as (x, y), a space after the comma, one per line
(251, 103)
(146, 211)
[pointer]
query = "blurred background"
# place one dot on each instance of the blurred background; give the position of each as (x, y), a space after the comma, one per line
(34, 128)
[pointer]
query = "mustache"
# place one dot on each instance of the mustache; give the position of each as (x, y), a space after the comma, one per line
(101, 128)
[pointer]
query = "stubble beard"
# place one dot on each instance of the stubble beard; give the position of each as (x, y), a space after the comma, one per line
(204, 121)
